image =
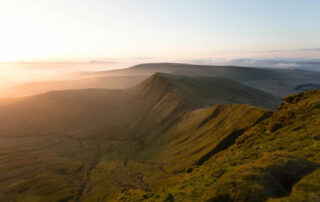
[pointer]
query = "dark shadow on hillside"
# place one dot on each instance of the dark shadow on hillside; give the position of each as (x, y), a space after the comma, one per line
(223, 145)
(291, 173)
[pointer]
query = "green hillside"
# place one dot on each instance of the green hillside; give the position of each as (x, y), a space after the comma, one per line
(87, 144)
(171, 137)
(276, 160)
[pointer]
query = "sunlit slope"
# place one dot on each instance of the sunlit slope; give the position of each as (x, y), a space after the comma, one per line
(202, 133)
(107, 82)
(58, 112)
(276, 160)
(82, 145)
(188, 143)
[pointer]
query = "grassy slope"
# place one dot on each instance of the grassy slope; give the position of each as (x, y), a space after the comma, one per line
(164, 161)
(276, 160)
(89, 144)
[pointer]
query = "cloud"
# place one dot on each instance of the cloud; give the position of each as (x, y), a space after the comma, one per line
(288, 50)
(308, 64)
(309, 49)
(287, 65)
(143, 58)
(101, 62)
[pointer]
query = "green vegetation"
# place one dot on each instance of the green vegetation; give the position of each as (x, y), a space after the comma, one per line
(170, 138)
(281, 164)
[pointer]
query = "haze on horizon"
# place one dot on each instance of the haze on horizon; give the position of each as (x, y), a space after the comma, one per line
(50, 39)
(70, 30)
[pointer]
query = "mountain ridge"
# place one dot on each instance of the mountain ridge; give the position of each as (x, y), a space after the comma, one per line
(279, 82)
(275, 160)
(134, 144)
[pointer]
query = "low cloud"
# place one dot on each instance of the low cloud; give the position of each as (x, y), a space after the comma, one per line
(101, 62)
(287, 65)
(307, 64)
(309, 49)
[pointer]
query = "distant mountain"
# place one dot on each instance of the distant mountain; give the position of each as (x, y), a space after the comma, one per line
(148, 69)
(307, 86)
(279, 82)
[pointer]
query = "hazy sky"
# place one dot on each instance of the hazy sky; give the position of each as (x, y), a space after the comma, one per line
(52, 29)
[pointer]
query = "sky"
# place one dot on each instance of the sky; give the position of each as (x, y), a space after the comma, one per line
(76, 29)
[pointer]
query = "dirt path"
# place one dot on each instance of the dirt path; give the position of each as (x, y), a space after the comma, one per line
(84, 184)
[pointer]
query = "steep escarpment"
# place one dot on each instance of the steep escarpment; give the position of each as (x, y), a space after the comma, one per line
(153, 101)
(275, 160)
(178, 150)
(85, 145)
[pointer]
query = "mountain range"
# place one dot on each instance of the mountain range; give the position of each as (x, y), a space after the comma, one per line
(175, 132)
(279, 82)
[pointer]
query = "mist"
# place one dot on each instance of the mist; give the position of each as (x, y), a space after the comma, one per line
(29, 78)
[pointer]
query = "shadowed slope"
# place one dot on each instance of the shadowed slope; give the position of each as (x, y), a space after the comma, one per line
(199, 91)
